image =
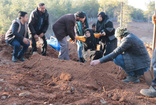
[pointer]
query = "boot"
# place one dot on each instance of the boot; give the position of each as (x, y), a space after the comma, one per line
(133, 79)
(151, 92)
(14, 59)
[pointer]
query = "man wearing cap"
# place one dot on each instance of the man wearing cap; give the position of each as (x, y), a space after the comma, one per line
(131, 55)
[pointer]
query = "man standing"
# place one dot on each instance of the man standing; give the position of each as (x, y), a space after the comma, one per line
(38, 25)
(17, 35)
(64, 27)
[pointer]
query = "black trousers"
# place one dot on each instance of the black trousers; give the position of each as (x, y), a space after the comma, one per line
(109, 46)
(43, 43)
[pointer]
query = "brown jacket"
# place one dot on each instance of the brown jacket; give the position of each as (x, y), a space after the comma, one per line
(64, 26)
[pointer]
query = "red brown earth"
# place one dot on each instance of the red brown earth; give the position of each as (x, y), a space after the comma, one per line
(47, 80)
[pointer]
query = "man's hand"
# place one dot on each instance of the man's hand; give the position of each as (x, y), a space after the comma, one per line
(41, 35)
(94, 62)
(36, 36)
(26, 41)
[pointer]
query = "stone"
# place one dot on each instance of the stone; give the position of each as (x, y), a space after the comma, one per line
(103, 102)
(3, 97)
(109, 95)
(24, 94)
(115, 97)
(66, 77)
(122, 99)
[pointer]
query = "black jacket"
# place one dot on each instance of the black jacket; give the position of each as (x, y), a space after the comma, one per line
(34, 20)
(90, 42)
(105, 26)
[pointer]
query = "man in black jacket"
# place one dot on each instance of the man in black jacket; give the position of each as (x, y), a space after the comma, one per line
(38, 25)
(17, 35)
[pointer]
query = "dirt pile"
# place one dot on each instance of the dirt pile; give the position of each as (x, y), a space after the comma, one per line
(47, 80)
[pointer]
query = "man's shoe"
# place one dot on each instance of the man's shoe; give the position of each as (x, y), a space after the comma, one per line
(82, 60)
(131, 79)
(151, 92)
(22, 59)
(14, 59)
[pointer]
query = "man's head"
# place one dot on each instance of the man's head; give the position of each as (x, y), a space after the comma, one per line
(94, 27)
(23, 16)
(80, 16)
(121, 32)
(41, 7)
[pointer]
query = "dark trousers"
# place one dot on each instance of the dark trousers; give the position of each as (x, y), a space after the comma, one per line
(18, 52)
(109, 46)
(120, 62)
(43, 43)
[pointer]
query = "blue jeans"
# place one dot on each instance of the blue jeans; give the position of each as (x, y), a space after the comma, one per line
(120, 62)
(18, 52)
(79, 49)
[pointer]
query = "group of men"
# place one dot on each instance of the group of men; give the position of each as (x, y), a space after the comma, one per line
(131, 55)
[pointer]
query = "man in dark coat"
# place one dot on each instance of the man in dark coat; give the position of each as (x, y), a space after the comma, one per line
(63, 27)
(131, 55)
(38, 25)
(17, 35)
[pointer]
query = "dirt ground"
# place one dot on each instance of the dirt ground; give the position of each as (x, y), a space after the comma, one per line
(49, 81)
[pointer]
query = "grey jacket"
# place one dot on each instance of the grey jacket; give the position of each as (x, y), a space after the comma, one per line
(14, 30)
(134, 53)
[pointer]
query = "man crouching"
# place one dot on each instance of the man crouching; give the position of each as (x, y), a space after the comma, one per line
(17, 35)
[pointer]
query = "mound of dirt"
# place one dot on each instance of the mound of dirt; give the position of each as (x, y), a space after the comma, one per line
(47, 80)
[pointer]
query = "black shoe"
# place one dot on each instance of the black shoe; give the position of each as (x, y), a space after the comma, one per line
(82, 60)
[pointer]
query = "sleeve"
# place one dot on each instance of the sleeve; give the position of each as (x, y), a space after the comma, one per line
(31, 24)
(70, 29)
(46, 25)
(15, 31)
(109, 29)
(119, 50)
